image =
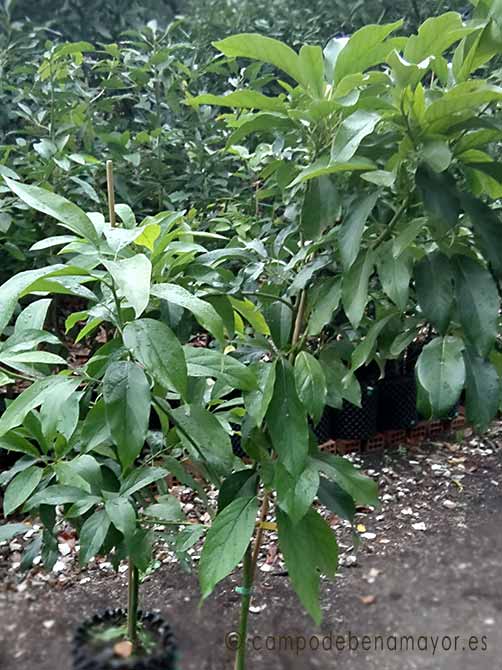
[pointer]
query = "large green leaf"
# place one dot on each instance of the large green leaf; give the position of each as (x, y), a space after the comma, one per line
(92, 535)
(310, 384)
(355, 287)
(140, 478)
(395, 275)
(126, 393)
(309, 548)
(478, 303)
(205, 313)
(132, 277)
(362, 489)
(325, 166)
(440, 199)
(487, 230)
(434, 278)
(352, 228)
(287, 421)
(325, 305)
(158, 349)
(122, 514)
(203, 362)
(240, 99)
(258, 400)
(20, 488)
(367, 47)
(13, 287)
(64, 211)
(440, 372)
(33, 397)
(56, 495)
(364, 350)
(351, 133)
(200, 430)
(266, 50)
(11, 530)
(483, 390)
(467, 96)
(320, 207)
(295, 495)
(226, 542)
(435, 35)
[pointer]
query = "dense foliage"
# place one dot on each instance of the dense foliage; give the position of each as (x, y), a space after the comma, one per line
(310, 215)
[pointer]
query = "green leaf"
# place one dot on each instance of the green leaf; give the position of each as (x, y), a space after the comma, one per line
(309, 547)
(32, 317)
(33, 357)
(20, 488)
(126, 215)
(226, 542)
(440, 372)
(266, 50)
(64, 211)
(295, 495)
(258, 400)
(325, 166)
(395, 275)
(250, 312)
(132, 277)
(246, 99)
(434, 36)
(483, 386)
(312, 68)
(435, 291)
(126, 393)
(140, 478)
(325, 305)
(437, 154)
(320, 207)
(167, 508)
(351, 133)
(140, 548)
(477, 302)
(336, 499)
(310, 384)
(355, 287)
(239, 484)
(487, 226)
(366, 48)
(352, 229)
(92, 535)
(205, 313)
(203, 362)
(14, 442)
(362, 489)
(11, 530)
(364, 349)
(279, 317)
(467, 96)
(33, 397)
(157, 348)
(122, 514)
(56, 495)
(440, 199)
(201, 430)
(287, 421)
(407, 236)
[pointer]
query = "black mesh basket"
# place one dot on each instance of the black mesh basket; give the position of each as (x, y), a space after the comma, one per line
(236, 443)
(397, 403)
(356, 423)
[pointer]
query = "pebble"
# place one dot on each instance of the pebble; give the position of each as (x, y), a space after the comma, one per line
(449, 504)
(419, 526)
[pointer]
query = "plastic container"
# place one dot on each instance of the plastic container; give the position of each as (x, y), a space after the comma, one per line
(87, 656)
(356, 423)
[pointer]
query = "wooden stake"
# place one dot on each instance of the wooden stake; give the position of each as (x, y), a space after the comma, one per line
(111, 193)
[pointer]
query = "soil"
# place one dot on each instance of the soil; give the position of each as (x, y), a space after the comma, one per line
(429, 566)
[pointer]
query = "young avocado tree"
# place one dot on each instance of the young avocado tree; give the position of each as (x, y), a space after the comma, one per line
(382, 149)
(84, 432)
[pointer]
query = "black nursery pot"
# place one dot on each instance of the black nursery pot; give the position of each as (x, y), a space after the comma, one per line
(397, 403)
(91, 655)
(323, 430)
(356, 423)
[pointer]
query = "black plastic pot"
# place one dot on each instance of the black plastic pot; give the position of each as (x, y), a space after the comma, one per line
(356, 423)
(397, 403)
(87, 657)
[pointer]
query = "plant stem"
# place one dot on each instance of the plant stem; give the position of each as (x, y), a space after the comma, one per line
(240, 659)
(132, 605)
(249, 571)
(111, 193)
(388, 230)
(302, 302)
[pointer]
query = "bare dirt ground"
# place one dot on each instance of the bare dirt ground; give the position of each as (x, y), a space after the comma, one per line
(429, 566)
